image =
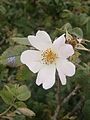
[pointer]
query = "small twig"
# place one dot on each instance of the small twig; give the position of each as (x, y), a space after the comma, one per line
(1, 42)
(3, 113)
(58, 100)
(66, 99)
(77, 107)
(7, 117)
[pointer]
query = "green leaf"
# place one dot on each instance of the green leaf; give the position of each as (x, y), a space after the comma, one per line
(23, 93)
(19, 117)
(88, 28)
(86, 110)
(23, 73)
(12, 88)
(82, 77)
(7, 96)
(2, 9)
(83, 18)
(11, 56)
(20, 104)
(13, 51)
(4, 74)
(77, 31)
(22, 41)
(46, 1)
(67, 27)
(66, 14)
(57, 1)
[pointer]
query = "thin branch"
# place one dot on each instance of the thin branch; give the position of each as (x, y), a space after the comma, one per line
(77, 108)
(66, 99)
(7, 117)
(3, 113)
(1, 42)
(58, 99)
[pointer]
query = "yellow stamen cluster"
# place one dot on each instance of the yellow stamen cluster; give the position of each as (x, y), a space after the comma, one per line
(49, 56)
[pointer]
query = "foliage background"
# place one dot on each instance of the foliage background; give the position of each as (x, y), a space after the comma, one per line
(19, 18)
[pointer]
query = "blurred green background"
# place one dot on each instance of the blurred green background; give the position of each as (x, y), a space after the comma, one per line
(20, 18)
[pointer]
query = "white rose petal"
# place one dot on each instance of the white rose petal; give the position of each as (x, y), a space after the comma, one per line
(68, 68)
(41, 41)
(32, 59)
(66, 51)
(62, 76)
(59, 41)
(46, 76)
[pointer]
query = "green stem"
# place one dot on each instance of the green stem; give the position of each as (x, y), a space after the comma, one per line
(58, 98)
(3, 113)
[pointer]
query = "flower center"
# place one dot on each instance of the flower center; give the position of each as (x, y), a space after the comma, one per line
(49, 56)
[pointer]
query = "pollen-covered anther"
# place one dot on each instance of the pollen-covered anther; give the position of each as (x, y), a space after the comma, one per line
(73, 42)
(49, 56)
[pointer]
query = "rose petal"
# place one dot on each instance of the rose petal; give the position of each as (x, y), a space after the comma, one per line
(66, 51)
(41, 41)
(59, 41)
(61, 75)
(32, 59)
(46, 76)
(68, 68)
